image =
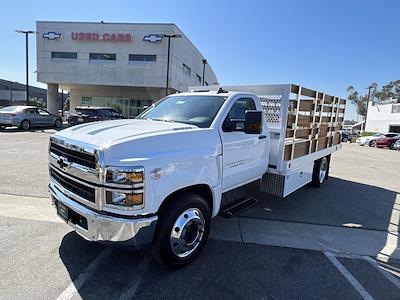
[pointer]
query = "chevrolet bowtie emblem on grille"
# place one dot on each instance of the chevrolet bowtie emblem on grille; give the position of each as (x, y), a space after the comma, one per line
(52, 35)
(153, 38)
(63, 163)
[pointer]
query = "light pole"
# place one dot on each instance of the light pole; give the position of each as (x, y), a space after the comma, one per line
(204, 68)
(27, 33)
(169, 36)
(369, 96)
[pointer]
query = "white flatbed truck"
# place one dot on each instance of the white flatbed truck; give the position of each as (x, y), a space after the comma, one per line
(160, 178)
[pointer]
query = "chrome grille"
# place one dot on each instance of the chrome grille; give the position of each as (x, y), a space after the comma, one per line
(74, 156)
(73, 186)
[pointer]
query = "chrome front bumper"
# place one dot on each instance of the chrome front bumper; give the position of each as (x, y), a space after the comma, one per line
(138, 232)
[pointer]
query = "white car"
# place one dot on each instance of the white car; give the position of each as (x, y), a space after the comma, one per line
(370, 140)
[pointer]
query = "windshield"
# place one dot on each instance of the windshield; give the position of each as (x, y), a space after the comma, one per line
(193, 110)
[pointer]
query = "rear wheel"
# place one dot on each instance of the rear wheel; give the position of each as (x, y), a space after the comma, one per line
(372, 143)
(345, 140)
(182, 231)
(320, 172)
(391, 146)
(2, 127)
(57, 123)
(25, 125)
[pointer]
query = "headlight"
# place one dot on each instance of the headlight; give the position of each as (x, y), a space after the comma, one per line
(125, 177)
(128, 199)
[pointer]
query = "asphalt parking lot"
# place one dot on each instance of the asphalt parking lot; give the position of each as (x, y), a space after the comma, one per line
(339, 241)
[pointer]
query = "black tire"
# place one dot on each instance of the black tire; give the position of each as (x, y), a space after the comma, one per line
(372, 143)
(391, 146)
(317, 180)
(345, 140)
(57, 123)
(162, 243)
(25, 125)
(2, 127)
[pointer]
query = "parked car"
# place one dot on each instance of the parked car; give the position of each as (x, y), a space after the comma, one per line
(26, 117)
(396, 145)
(371, 140)
(85, 114)
(348, 136)
(386, 141)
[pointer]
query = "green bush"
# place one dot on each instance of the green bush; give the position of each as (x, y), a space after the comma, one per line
(367, 133)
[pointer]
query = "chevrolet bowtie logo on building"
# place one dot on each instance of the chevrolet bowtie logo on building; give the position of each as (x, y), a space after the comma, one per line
(52, 35)
(153, 38)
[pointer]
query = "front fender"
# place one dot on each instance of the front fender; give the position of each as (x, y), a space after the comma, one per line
(185, 169)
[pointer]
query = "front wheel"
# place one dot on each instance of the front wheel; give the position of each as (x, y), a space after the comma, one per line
(391, 146)
(182, 231)
(320, 172)
(25, 125)
(57, 123)
(372, 143)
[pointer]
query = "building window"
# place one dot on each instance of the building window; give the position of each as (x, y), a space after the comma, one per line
(67, 55)
(102, 57)
(86, 101)
(395, 108)
(142, 58)
(186, 70)
(198, 77)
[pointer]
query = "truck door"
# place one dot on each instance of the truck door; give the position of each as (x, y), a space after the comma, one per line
(245, 156)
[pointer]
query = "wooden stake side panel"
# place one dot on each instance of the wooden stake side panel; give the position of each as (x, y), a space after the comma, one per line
(314, 122)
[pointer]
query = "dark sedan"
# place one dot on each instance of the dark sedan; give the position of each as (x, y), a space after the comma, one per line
(85, 114)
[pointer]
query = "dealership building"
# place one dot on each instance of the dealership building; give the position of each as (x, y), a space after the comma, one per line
(117, 64)
(384, 117)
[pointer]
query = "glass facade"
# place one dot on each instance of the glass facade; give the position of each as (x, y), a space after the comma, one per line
(103, 56)
(142, 58)
(130, 108)
(64, 55)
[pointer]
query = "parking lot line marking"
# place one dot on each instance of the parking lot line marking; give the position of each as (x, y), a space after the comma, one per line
(353, 281)
(73, 288)
(381, 269)
(393, 233)
(139, 273)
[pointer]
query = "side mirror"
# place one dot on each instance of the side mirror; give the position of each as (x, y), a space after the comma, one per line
(253, 122)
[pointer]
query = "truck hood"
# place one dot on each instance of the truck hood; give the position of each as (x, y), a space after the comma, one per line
(107, 133)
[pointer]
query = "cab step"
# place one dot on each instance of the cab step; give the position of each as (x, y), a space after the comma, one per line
(238, 207)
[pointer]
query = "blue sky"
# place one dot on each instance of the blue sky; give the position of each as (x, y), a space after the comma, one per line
(326, 45)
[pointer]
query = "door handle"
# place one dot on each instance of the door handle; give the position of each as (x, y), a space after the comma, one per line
(261, 137)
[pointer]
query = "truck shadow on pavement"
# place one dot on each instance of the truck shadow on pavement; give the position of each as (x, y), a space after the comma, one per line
(241, 270)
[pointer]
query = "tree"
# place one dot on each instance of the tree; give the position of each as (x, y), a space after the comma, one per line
(389, 91)
(360, 101)
(350, 122)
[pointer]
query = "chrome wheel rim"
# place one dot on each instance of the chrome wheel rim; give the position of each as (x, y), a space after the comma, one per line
(187, 232)
(25, 125)
(323, 169)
